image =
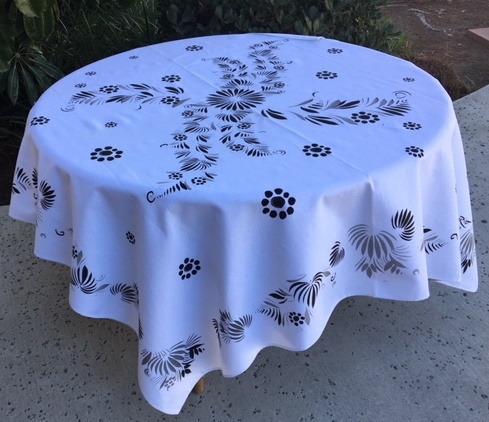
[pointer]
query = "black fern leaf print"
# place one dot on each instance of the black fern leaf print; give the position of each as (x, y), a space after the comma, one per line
(404, 220)
(140, 329)
(168, 366)
(379, 251)
(34, 178)
(324, 112)
(46, 195)
(431, 241)
(306, 291)
(337, 254)
(467, 244)
(21, 181)
(83, 279)
(231, 330)
(271, 308)
(128, 293)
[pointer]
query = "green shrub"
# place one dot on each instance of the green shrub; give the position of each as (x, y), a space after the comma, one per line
(355, 21)
(90, 30)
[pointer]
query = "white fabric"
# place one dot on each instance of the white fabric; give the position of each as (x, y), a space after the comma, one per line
(222, 194)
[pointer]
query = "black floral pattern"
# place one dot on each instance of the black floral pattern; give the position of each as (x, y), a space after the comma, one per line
(83, 279)
(382, 252)
(171, 100)
(297, 318)
(109, 89)
(407, 79)
(431, 241)
(364, 117)
(82, 85)
(128, 293)
(91, 73)
(412, 126)
(231, 330)
(171, 365)
(278, 203)
(415, 151)
(467, 244)
(245, 87)
(175, 175)
(301, 293)
(171, 78)
(41, 120)
(21, 181)
(316, 150)
(111, 124)
(46, 195)
(108, 153)
(235, 99)
(189, 268)
(134, 57)
(324, 74)
(131, 238)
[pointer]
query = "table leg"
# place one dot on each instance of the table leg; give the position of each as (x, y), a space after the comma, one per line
(199, 387)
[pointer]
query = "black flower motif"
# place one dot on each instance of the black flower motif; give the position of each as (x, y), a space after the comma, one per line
(171, 78)
(244, 125)
(279, 85)
(189, 268)
(171, 99)
(108, 153)
(175, 175)
(111, 124)
(41, 120)
(279, 67)
(180, 137)
(74, 252)
(235, 99)
(133, 57)
(130, 237)
(296, 318)
(335, 50)
(278, 203)
(364, 117)
(316, 150)
(194, 48)
(109, 89)
(80, 85)
(412, 126)
(409, 79)
(237, 147)
(228, 76)
(188, 113)
(91, 73)
(326, 75)
(415, 151)
(199, 181)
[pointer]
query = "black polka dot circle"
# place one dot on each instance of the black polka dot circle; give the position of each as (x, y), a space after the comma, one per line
(278, 203)
(106, 154)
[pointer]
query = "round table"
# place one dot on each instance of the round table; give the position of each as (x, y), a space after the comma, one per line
(223, 194)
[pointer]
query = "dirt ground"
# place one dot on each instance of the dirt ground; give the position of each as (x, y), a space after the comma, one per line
(437, 32)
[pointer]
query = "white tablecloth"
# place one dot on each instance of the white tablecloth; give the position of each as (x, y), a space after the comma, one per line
(223, 194)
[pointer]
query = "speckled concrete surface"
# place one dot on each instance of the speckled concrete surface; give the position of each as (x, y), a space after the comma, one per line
(377, 360)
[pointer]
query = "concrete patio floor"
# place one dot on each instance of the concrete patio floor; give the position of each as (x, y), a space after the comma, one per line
(377, 360)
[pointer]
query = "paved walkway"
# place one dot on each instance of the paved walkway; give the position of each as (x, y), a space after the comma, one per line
(377, 360)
